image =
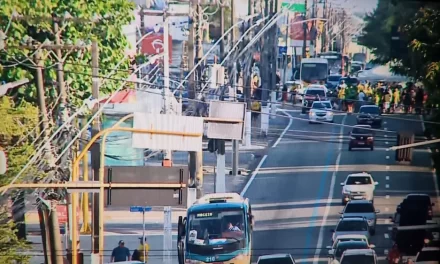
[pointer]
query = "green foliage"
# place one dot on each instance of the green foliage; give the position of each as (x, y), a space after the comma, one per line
(419, 55)
(38, 26)
(17, 123)
(12, 250)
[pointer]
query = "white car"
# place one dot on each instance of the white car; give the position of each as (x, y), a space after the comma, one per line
(276, 258)
(321, 111)
(351, 237)
(428, 255)
(359, 256)
(358, 186)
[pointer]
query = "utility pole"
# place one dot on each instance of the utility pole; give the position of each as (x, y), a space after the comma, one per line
(57, 257)
(324, 30)
(235, 145)
(166, 72)
(273, 59)
(95, 152)
(222, 31)
(195, 162)
(304, 55)
(247, 76)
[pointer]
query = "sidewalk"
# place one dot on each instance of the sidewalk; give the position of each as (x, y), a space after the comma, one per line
(248, 159)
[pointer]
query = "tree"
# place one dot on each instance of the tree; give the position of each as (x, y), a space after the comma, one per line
(12, 250)
(38, 26)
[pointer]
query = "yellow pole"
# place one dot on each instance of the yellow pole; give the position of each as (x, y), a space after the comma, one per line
(101, 180)
(85, 229)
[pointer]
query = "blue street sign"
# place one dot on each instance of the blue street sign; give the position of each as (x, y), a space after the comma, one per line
(140, 209)
(282, 49)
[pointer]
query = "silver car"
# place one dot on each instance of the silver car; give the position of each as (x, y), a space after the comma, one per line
(351, 225)
(364, 209)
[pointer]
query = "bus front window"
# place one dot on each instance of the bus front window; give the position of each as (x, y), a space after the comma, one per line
(313, 72)
(214, 228)
(334, 66)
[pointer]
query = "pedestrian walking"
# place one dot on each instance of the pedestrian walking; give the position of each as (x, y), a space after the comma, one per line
(120, 253)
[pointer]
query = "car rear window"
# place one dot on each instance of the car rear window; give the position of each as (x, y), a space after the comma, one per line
(359, 208)
(334, 78)
(315, 92)
(419, 198)
(358, 180)
(350, 225)
(369, 110)
(362, 131)
(358, 259)
(276, 261)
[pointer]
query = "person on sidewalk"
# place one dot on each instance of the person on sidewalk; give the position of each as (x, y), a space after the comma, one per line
(120, 253)
(143, 247)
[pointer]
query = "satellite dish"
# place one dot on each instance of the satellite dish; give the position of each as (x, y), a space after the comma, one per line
(3, 162)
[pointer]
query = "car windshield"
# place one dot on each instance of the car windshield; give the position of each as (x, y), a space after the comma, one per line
(275, 261)
(334, 78)
(428, 255)
(358, 130)
(358, 259)
(215, 227)
(359, 208)
(316, 92)
(340, 240)
(369, 110)
(351, 225)
(358, 180)
(344, 246)
(321, 105)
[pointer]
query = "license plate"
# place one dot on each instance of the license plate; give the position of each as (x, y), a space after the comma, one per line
(358, 197)
(361, 143)
(370, 122)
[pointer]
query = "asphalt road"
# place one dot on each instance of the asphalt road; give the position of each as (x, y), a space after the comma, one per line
(296, 193)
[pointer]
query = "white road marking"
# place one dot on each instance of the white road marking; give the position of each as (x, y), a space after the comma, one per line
(386, 235)
(387, 149)
(248, 184)
(387, 157)
(387, 178)
(390, 228)
(385, 128)
(386, 142)
(387, 167)
(329, 199)
(387, 197)
(385, 252)
(387, 221)
(434, 176)
(387, 209)
(255, 172)
(284, 131)
(387, 186)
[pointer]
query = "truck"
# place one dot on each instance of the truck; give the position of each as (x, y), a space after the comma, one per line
(217, 228)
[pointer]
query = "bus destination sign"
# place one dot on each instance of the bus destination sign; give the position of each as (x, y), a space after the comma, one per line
(205, 215)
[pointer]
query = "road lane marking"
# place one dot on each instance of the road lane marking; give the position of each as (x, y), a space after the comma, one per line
(385, 128)
(387, 178)
(387, 157)
(344, 168)
(329, 199)
(387, 221)
(386, 235)
(386, 142)
(434, 176)
(390, 228)
(387, 209)
(254, 173)
(385, 135)
(387, 197)
(385, 252)
(387, 186)
(284, 131)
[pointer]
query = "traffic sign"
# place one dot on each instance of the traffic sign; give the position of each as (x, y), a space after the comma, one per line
(140, 209)
(282, 49)
(294, 7)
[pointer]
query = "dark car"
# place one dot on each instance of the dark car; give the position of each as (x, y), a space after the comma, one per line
(420, 201)
(361, 137)
(311, 95)
(369, 115)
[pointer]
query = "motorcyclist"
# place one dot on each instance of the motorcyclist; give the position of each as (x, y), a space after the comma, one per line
(394, 256)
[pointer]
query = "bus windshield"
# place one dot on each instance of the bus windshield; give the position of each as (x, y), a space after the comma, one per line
(360, 57)
(334, 62)
(216, 227)
(313, 72)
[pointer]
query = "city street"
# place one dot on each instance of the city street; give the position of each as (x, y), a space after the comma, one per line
(296, 194)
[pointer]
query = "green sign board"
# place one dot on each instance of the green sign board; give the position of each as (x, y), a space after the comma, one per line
(294, 7)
